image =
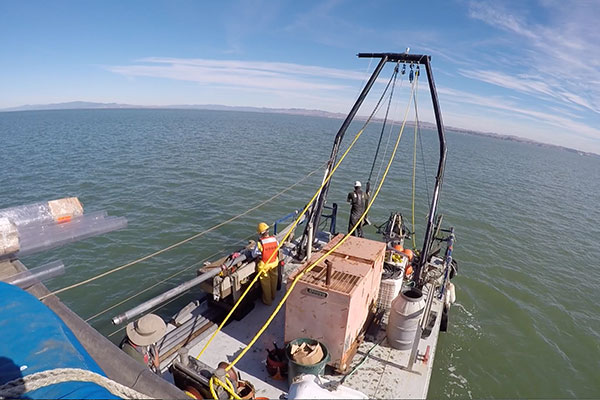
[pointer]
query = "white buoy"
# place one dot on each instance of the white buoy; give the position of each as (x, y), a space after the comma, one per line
(450, 295)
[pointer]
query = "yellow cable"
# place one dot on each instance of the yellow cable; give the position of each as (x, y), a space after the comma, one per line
(414, 240)
(129, 264)
(309, 268)
(228, 386)
(157, 283)
(256, 277)
(212, 389)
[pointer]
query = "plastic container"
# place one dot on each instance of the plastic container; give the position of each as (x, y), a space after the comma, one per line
(60, 234)
(405, 313)
(295, 369)
(44, 212)
(389, 289)
(316, 387)
(9, 237)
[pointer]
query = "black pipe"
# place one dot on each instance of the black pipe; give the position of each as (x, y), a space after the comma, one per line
(439, 178)
(317, 208)
(425, 60)
(398, 57)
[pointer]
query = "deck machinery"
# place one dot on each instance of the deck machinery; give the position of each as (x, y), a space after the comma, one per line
(224, 280)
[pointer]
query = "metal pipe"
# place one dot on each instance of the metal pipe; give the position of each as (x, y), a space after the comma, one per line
(438, 180)
(29, 278)
(421, 327)
(309, 239)
(168, 295)
(280, 220)
(447, 261)
(397, 57)
(426, 61)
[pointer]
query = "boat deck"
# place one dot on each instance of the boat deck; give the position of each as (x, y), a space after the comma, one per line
(384, 373)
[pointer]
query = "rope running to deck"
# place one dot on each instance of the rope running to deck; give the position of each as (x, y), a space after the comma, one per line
(320, 259)
(183, 241)
(414, 168)
(18, 387)
(162, 281)
(293, 226)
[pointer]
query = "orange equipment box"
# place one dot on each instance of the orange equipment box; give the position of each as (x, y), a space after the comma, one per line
(335, 312)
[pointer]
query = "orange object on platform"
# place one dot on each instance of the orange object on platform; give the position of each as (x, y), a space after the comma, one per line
(409, 254)
(398, 247)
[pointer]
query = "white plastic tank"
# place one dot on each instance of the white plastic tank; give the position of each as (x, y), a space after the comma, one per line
(405, 313)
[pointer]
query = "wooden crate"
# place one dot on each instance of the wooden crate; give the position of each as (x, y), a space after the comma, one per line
(336, 314)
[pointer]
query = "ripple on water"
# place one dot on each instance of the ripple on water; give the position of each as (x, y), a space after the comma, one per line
(527, 320)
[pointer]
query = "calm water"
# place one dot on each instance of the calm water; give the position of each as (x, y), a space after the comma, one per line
(527, 320)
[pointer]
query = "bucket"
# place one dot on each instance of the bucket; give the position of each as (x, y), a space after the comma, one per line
(246, 390)
(404, 318)
(295, 369)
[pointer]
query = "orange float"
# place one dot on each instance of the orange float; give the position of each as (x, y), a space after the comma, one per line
(409, 254)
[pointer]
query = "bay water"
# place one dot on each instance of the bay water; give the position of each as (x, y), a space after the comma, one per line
(527, 318)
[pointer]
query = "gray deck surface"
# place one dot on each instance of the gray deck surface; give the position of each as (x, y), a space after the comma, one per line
(383, 375)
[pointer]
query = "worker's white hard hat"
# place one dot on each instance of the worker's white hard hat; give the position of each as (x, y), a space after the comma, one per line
(357, 184)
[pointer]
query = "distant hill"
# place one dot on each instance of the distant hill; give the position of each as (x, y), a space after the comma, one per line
(72, 105)
(81, 105)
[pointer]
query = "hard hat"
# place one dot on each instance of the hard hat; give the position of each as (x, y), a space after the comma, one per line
(357, 184)
(262, 227)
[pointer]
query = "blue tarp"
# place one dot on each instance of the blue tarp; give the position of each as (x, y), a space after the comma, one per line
(34, 339)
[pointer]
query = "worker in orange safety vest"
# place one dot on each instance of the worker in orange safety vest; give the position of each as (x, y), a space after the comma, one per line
(267, 262)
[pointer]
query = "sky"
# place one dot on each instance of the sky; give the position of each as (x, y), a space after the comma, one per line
(525, 68)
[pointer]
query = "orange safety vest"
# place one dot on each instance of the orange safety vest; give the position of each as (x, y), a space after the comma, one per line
(269, 245)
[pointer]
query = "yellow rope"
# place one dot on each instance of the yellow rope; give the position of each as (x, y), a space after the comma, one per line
(310, 267)
(296, 221)
(414, 239)
(228, 386)
(178, 243)
(159, 283)
(256, 277)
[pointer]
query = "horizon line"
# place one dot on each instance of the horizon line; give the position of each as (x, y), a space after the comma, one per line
(91, 105)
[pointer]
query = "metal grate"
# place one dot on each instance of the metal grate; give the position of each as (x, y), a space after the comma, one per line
(340, 281)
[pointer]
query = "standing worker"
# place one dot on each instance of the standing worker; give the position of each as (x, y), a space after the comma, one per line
(267, 263)
(358, 201)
